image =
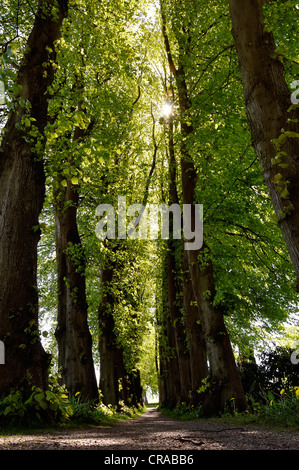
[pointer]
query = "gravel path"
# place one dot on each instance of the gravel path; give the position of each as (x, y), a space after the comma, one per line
(155, 431)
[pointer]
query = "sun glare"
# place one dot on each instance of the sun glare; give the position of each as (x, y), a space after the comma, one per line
(167, 109)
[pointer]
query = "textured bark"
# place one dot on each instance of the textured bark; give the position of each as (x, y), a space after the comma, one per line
(116, 383)
(72, 333)
(176, 317)
(22, 188)
(224, 383)
(169, 374)
(224, 380)
(267, 100)
(174, 275)
(197, 347)
(197, 354)
(111, 356)
(73, 336)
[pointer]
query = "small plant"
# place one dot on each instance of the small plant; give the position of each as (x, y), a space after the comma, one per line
(35, 408)
(282, 408)
(183, 411)
(98, 413)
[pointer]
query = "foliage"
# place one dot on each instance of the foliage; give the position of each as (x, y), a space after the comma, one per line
(182, 411)
(279, 411)
(55, 407)
(272, 390)
(282, 409)
(97, 413)
(39, 408)
(111, 81)
(272, 373)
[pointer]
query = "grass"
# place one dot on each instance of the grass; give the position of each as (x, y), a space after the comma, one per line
(278, 413)
(17, 417)
(71, 413)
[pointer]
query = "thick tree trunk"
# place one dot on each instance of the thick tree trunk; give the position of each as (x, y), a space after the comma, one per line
(225, 383)
(174, 276)
(169, 374)
(197, 347)
(170, 377)
(176, 309)
(274, 130)
(131, 393)
(196, 370)
(22, 188)
(72, 333)
(112, 369)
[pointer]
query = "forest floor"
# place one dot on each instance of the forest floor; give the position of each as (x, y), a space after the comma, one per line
(156, 431)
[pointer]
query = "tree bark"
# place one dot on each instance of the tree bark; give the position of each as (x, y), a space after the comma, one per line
(112, 369)
(22, 189)
(176, 309)
(184, 317)
(72, 333)
(193, 330)
(225, 383)
(274, 129)
(169, 373)
(224, 380)
(197, 347)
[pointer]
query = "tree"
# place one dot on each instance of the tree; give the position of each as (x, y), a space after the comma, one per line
(103, 134)
(272, 118)
(225, 381)
(77, 127)
(112, 362)
(190, 346)
(22, 191)
(75, 360)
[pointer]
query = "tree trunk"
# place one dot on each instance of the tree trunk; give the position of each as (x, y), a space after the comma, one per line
(174, 277)
(225, 383)
(274, 130)
(72, 333)
(22, 189)
(197, 355)
(112, 369)
(131, 392)
(197, 347)
(176, 317)
(169, 376)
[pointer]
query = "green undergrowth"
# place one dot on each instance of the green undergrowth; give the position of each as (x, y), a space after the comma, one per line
(55, 408)
(276, 411)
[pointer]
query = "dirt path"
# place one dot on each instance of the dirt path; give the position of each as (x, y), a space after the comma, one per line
(155, 431)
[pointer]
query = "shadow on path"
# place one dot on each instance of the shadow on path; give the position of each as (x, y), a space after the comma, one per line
(156, 431)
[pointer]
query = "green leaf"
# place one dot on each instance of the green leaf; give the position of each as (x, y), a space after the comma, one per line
(292, 135)
(277, 178)
(7, 410)
(75, 180)
(285, 193)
